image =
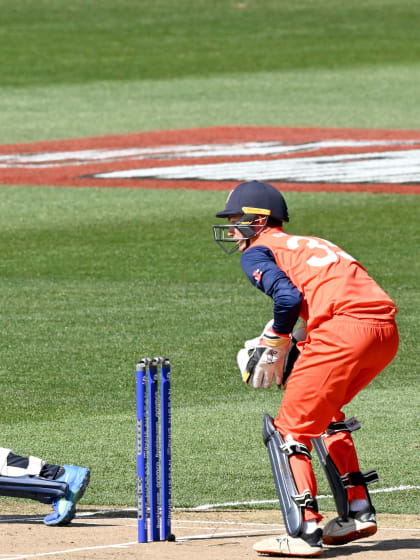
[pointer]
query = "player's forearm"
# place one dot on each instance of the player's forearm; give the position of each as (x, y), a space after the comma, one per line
(286, 311)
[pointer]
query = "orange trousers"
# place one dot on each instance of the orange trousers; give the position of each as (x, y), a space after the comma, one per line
(338, 359)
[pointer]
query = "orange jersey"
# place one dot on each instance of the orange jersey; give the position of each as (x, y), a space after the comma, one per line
(330, 280)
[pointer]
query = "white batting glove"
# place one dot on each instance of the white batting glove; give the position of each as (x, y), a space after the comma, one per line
(267, 359)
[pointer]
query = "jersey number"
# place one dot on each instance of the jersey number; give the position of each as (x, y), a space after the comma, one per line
(330, 256)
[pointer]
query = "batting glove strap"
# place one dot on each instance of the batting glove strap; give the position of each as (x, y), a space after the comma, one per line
(266, 361)
(271, 339)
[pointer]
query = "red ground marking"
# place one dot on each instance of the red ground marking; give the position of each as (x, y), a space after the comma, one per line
(38, 163)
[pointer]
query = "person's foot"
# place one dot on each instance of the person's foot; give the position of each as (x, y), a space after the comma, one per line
(306, 545)
(64, 508)
(359, 525)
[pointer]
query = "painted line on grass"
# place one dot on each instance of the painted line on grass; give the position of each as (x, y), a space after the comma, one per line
(259, 502)
(205, 507)
(218, 158)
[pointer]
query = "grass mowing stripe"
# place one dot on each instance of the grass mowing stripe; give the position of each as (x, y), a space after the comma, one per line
(92, 279)
(361, 97)
(77, 266)
(74, 43)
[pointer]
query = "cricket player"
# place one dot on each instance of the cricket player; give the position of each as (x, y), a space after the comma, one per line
(33, 478)
(349, 337)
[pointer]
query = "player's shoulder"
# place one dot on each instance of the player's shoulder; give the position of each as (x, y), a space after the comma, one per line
(272, 239)
(257, 252)
(278, 238)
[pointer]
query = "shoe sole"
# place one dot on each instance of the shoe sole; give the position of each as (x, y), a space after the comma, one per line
(353, 536)
(76, 497)
(274, 553)
(69, 517)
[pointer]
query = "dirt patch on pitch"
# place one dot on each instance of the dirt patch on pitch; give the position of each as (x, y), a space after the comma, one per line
(100, 533)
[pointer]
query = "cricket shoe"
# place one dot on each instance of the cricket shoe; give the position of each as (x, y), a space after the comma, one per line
(306, 545)
(77, 479)
(360, 524)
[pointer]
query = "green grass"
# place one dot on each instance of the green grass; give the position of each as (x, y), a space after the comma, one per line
(88, 68)
(93, 279)
(86, 41)
(360, 97)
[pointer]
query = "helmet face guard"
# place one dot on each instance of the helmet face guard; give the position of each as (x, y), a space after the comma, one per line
(249, 200)
(249, 225)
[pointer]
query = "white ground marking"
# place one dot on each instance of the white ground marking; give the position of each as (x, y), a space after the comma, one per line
(401, 166)
(185, 151)
(377, 166)
(256, 502)
(212, 526)
(43, 554)
(204, 507)
(209, 525)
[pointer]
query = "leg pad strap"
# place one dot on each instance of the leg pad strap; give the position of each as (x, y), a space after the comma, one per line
(339, 483)
(359, 478)
(306, 500)
(350, 425)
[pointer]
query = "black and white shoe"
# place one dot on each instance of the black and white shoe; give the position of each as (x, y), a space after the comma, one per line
(360, 524)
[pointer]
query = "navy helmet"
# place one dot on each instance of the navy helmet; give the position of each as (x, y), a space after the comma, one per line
(254, 197)
(256, 203)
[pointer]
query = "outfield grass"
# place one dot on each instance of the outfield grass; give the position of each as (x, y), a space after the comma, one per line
(87, 68)
(360, 97)
(93, 279)
(85, 41)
